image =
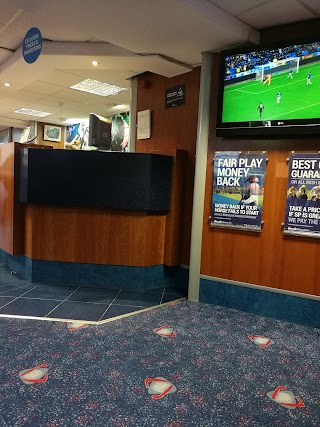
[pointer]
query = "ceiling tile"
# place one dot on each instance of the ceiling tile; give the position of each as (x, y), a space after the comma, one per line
(61, 78)
(4, 54)
(23, 21)
(122, 97)
(6, 13)
(27, 96)
(21, 116)
(80, 96)
(76, 95)
(313, 4)
(43, 88)
(236, 7)
(6, 109)
(42, 107)
(275, 13)
(114, 77)
(13, 102)
(11, 37)
(61, 103)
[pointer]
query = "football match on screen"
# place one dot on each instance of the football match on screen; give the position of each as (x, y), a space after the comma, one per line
(272, 84)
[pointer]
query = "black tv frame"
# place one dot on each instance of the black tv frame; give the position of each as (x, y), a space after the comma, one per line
(285, 128)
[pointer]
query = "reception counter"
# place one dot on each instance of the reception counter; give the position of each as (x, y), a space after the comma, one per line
(96, 179)
(99, 217)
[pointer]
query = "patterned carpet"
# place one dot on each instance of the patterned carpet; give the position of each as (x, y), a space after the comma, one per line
(201, 370)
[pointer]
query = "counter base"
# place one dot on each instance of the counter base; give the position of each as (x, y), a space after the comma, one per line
(95, 275)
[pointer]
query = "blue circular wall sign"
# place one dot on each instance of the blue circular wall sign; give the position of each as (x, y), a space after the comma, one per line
(32, 45)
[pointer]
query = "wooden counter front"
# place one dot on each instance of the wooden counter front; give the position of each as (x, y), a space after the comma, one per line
(11, 212)
(94, 236)
(105, 236)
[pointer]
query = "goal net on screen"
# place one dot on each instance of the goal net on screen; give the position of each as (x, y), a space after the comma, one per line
(277, 67)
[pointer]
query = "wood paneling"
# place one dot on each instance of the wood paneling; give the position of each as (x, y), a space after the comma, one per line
(174, 223)
(173, 129)
(7, 197)
(267, 258)
(12, 211)
(94, 236)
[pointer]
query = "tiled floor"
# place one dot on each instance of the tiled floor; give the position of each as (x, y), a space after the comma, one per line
(20, 298)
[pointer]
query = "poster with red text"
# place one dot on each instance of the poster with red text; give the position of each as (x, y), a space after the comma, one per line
(238, 188)
(303, 196)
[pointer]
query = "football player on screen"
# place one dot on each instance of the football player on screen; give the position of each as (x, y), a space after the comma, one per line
(309, 82)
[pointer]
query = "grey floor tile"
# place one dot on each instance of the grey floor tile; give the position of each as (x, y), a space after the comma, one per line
(100, 296)
(6, 289)
(58, 293)
(174, 290)
(118, 310)
(138, 299)
(5, 300)
(158, 290)
(17, 291)
(28, 307)
(79, 311)
(171, 297)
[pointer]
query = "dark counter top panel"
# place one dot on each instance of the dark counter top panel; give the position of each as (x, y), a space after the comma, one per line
(95, 179)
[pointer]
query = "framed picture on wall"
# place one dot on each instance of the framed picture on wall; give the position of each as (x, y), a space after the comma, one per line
(52, 133)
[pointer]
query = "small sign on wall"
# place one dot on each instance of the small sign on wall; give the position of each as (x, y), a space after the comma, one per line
(144, 124)
(32, 45)
(175, 96)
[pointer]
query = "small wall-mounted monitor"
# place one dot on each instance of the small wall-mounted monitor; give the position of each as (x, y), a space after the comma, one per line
(99, 132)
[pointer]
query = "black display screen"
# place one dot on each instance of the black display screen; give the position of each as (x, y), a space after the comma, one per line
(270, 90)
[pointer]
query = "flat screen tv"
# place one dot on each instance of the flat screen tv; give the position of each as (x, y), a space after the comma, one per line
(270, 90)
(99, 132)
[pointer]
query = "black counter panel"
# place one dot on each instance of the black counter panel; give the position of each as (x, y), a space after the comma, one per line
(96, 179)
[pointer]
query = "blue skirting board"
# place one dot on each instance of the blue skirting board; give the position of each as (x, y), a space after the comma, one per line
(291, 308)
(95, 275)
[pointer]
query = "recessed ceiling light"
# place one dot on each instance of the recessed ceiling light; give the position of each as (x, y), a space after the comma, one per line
(95, 63)
(7, 84)
(36, 113)
(97, 88)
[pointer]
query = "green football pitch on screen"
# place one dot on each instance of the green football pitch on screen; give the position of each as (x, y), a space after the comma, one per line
(298, 100)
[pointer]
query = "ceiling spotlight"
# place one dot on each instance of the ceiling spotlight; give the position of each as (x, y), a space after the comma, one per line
(95, 63)
(7, 84)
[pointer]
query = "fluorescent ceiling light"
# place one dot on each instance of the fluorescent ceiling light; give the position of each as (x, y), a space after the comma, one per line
(121, 106)
(74, 121)
(97, 88)
(36, 113)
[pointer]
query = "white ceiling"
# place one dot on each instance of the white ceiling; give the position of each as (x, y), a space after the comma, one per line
(126, 38)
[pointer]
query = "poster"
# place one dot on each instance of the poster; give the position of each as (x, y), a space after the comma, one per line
(238, 188)
(303, 196)
(77, 136)
(120, 132)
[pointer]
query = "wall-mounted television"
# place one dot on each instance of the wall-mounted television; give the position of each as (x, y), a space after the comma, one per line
(271, 90)
(99, 132)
